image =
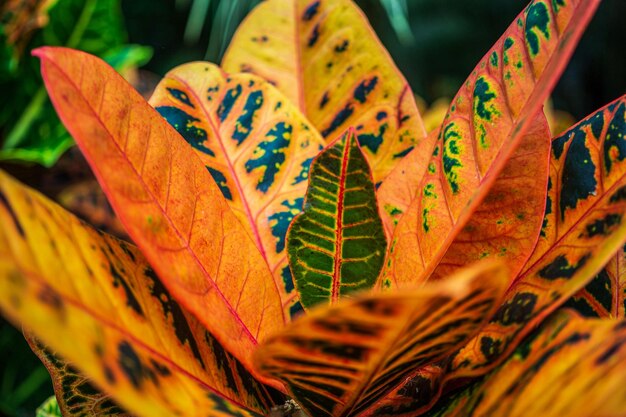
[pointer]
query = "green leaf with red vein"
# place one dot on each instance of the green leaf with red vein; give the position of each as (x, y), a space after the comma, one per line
(337, 245)
(128, 335)
(76, 394)
(341, 360)
(324, 56)
(167, 200)
(257, 147)
(583, 227)
(485, 123)
(572, 367)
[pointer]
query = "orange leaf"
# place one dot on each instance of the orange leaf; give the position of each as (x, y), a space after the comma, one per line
(605, 295)
(256, 145)
(486, 122)
(573, 368)
(167, 200)
(508, 221)
(95, 301)
(341, 360)
(583, 228)
(324, 56)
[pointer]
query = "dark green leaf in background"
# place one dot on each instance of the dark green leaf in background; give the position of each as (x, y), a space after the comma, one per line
(29, 128)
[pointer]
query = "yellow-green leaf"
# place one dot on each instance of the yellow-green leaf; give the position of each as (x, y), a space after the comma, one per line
(95, 301)
(341, 360)
(485, 123)
(324, 56)
(337, 245)
(257, 147)
(167, 200)
(584, 226)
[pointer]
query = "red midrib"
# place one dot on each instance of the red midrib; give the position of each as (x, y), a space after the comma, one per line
(339, 233)
(105, 187)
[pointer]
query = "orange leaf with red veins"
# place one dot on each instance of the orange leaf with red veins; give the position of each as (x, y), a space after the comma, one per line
(507, 223)
(257, 147)
(605, 295)
(583, 228)
(486, 122)
(95, 301)
(167, 200)
(341, 360)
(324, 56)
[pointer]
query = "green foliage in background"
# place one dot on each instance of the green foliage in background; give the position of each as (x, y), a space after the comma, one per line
(29, 127)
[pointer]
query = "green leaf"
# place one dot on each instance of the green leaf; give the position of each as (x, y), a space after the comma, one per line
(337, 245)
(29, 127)
(49, 408)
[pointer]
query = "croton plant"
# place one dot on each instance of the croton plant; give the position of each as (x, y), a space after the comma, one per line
(302, 246)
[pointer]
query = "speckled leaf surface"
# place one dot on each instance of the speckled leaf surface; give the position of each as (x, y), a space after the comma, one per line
(341, 360)
(76, 395)
(255, 144)
(573, 368)
(508, 221)
(167, 200)
(336, 246)
(326, 58)
(117, 323)
(583, 228)
(485, 123)
(605, 295)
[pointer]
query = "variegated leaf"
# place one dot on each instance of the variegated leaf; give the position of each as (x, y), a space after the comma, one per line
(167, 200)
(341, 360)
(573, 368)
(256, 145)
(337, 245)
(605, 295)
(326, 58)
(95, 301)
(505, 225)
(486, 122)
(76, 394)
(583, 227)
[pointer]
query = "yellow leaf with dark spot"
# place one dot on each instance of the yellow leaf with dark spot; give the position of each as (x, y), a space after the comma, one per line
(324, 56)
(95, 301)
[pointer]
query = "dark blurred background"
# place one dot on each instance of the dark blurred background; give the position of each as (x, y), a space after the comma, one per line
(436, 43)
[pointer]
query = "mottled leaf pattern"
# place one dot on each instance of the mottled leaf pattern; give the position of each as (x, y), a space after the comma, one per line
(605, 295)
(167, 200)
(486, 121)
(573, 368)
(76, 395)
(326, 58)
(129, 336)
(583, 227)
(339, 361)
(337, 245)
(255, 144)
